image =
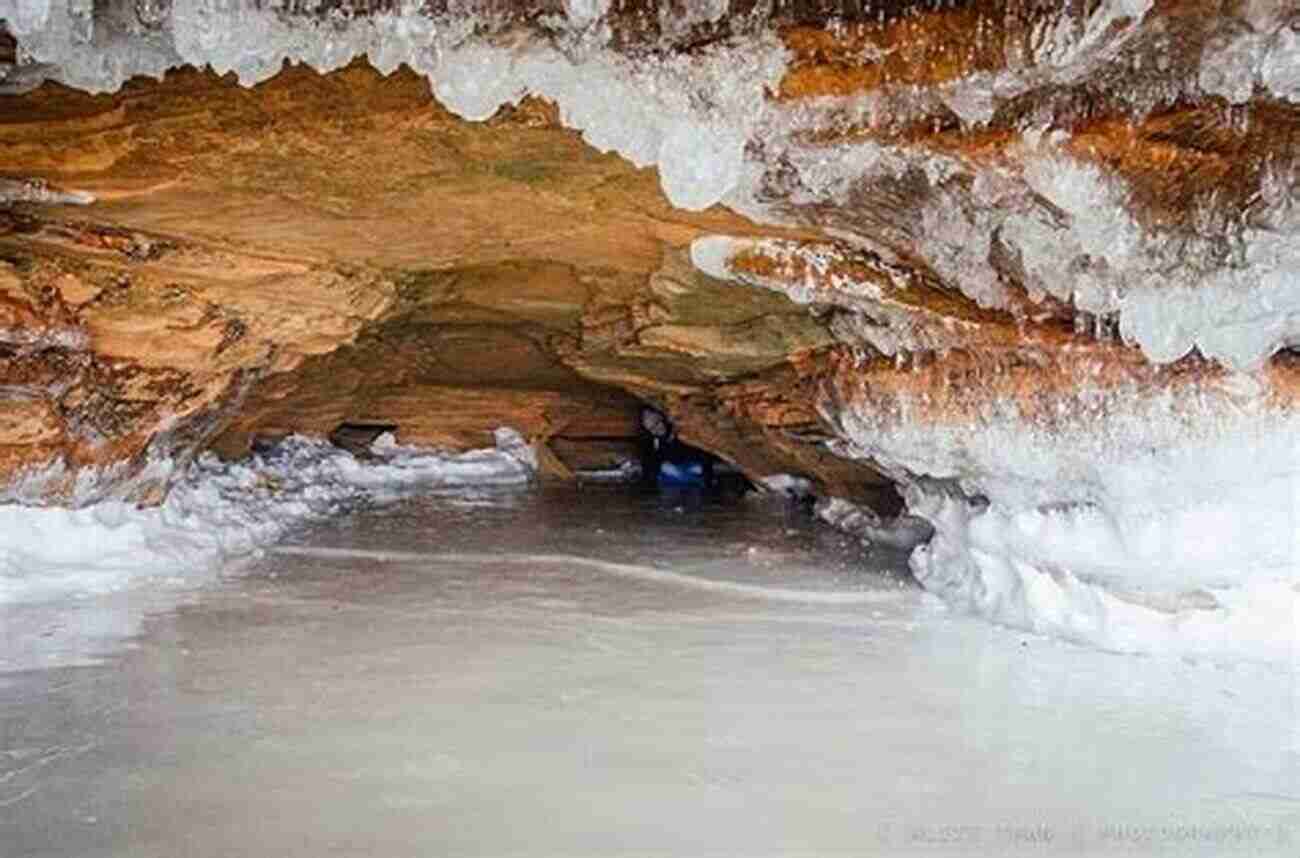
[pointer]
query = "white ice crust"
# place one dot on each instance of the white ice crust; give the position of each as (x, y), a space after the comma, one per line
(886, 325)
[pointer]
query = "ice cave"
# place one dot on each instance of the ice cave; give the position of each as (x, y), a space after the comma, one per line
(649, 427)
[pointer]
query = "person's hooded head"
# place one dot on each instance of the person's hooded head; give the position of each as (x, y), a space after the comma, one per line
(654, 422)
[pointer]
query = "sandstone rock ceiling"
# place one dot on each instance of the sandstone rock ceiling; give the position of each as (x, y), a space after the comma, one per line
(810, 209)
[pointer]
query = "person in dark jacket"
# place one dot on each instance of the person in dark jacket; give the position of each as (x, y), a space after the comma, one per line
(665, 460)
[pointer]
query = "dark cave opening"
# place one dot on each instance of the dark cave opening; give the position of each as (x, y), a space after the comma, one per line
(356, 437)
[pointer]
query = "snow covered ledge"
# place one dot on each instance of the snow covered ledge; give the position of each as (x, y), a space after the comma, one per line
(218, 512)
(1156, 517)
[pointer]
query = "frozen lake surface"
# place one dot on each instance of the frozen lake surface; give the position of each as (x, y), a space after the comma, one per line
(597, 672)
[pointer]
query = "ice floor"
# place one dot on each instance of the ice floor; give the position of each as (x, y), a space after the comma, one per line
(566, 672)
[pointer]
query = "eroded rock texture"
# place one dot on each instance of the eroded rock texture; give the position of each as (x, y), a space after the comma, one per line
(1007, 255)
(332, 249)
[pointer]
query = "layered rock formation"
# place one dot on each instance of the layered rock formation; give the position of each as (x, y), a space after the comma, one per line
(1029, 261)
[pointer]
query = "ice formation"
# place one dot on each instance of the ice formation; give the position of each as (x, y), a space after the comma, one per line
(1148, 520)
(1232, 293)
(40, 192)
(694, 117)
(689, 116)
(1171, 295)
(217, 512)
(1167, 522)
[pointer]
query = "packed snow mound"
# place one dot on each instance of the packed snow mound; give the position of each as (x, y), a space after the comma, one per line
(1177, 584)
(219, 511)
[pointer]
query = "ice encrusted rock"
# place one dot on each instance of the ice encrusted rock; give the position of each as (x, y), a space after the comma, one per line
(25, 17)
(884, 323)
(1239, 309)
(972, 98)
(218, 510)
(690, 116)
(1230, 289)
(1234, 62)
(792, 486)
(700, 119)
(649, 111)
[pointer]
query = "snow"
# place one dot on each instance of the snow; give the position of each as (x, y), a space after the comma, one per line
(1122, 581)
(217, 512)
